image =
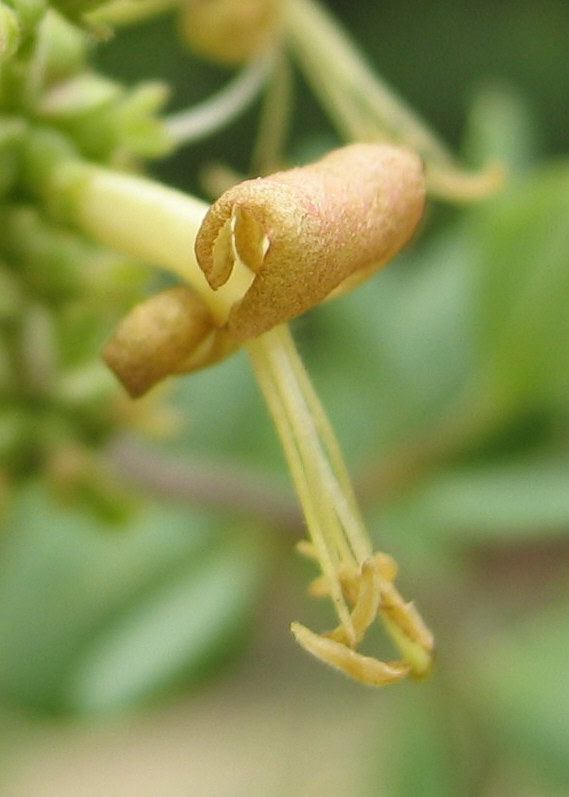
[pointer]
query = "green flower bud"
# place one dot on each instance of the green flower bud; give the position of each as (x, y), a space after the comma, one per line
(74, 9)
(106, 121)
(9, 32)
(11, 136)
(47, 257)
(28, 13)
(66, 49)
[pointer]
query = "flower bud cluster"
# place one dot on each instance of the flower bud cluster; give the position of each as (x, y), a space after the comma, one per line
(59, 295)
(267, 251)
(59, 291)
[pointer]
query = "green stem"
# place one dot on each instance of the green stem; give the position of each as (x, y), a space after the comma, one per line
(268, 152)
(364, 107)
(212, 114)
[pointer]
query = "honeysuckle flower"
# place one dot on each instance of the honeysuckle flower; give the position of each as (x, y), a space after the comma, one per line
(271, 248)
(268, 250)
(296, 238)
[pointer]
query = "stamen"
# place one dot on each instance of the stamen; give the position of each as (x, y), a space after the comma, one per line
(359, 583)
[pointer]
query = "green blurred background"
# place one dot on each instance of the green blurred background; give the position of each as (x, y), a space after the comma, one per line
(154, 659)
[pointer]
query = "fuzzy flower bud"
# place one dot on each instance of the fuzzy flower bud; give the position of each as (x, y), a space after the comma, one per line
(310, 232)
(171, 332)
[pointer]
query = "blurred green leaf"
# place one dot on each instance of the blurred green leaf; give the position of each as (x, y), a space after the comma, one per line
(523, 290)
(422, 753)
(400, 348)
(519, 687)
(64, 580)
(516, 500)
(172, 632)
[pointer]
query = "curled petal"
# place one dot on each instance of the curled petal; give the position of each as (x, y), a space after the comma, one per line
(365, 669)
(171, 332)
(311, 231)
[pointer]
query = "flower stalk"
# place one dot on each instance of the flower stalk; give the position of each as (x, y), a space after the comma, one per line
(364, 108)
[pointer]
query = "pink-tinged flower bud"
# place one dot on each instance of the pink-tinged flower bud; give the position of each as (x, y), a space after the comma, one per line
(312, 231)
(230, 31)
(171, 332)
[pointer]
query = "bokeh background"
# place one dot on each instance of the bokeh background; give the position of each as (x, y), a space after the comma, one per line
(152, 658)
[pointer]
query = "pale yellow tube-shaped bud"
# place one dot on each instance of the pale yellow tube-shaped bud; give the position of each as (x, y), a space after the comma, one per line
(311, 232)
(171, 332)
(230, 31)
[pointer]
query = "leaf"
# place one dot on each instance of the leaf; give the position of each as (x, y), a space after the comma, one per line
(420, 748)
(520, 499)
(523, 289)
(170, 634)
(518, 688)
(64, 579)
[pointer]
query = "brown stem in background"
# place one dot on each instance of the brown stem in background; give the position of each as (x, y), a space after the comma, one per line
(236, 489)
(474, 418)
(230, 488)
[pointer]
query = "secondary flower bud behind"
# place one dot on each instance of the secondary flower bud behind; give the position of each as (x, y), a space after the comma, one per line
(312, 231)
(171, 332)
(229, 31)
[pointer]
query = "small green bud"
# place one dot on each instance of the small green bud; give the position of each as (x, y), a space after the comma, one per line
(9, 33)
(53, 172)
(82, 94)
(66, 49)
(104, 119)
(74, 9)
(47, 257)
(11, 135)
(28, 13)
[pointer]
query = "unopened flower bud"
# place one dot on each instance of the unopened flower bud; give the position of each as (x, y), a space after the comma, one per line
(171, 332)
(229, 31)
(312, 231)
(9, 32)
